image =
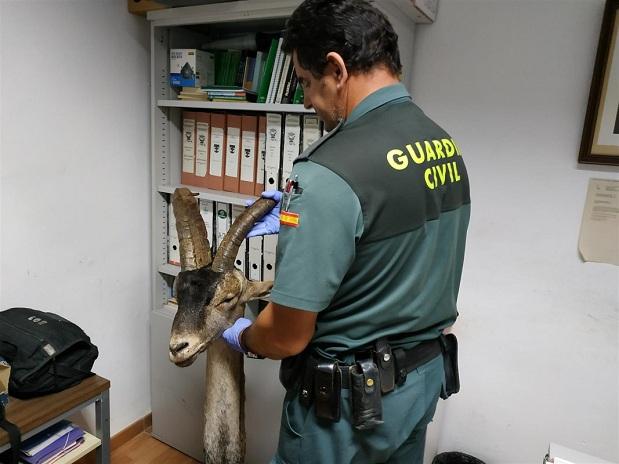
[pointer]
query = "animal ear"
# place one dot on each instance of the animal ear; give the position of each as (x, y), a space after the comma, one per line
(256, 290)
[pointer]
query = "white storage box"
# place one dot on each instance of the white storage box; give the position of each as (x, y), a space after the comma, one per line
(190, 67)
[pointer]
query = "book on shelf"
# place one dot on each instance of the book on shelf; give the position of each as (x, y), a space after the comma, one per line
(277, 66)
(202, 144)
(249, 148)
(265, 79)
(298, 95)
(188, 168)
(215, 178)
(284, 75)
(233, 153)
(261, 154)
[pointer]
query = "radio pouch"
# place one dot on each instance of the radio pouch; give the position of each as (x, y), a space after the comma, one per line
(327, 389)
(367, 408)
(449, 347)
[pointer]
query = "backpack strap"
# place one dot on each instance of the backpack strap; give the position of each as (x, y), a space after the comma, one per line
(14, 435)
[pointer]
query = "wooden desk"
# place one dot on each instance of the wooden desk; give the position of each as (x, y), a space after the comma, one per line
(36, 414)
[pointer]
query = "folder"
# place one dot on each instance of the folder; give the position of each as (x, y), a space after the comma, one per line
(188, 168)
(311, 130)
(241, 259)
(222, 221)
(207, 211)
(273, 151)
(233, 155)
(215, 177)
(262, 150)
(203, 123)
(249, 146)
(292, 136)
(254, 258)
(174, 252)
(268, 257)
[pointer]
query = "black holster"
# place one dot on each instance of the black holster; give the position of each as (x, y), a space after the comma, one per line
(291, 370)
(449, 347)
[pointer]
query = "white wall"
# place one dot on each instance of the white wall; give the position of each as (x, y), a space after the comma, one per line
(75, 185)
(538, 328)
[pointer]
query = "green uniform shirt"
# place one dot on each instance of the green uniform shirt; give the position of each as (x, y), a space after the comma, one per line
(375, 241)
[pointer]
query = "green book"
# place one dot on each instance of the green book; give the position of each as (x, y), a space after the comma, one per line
(233, 66)
(298, 95)
(268, 71)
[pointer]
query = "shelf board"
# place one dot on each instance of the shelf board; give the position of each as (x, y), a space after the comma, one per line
(90, 443)
(169, 269)
(213, 195)
(236, 106)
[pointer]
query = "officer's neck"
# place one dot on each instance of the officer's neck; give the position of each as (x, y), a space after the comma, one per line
(361, 85)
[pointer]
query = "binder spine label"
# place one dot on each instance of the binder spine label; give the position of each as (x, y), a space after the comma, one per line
(248, 156)
(189, 131)
(232, 154)
(217, 151)
(202, 144)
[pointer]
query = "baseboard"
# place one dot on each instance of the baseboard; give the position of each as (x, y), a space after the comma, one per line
(130, 432)
(122, 437)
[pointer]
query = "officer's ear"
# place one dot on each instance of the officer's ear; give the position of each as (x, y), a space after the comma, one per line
(337, 66)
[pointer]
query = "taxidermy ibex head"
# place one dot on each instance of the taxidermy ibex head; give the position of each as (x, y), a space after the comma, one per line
(211, 295)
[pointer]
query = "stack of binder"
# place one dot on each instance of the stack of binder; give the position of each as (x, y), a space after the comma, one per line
(51, 444)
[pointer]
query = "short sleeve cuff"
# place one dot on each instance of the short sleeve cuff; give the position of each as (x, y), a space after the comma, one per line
(297, 303)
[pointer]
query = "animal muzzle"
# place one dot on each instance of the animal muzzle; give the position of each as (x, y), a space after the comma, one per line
(184, 349)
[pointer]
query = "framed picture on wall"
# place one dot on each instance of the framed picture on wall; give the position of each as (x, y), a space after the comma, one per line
(600, 138)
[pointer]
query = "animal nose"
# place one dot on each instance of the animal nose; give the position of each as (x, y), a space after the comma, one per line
(177, 347)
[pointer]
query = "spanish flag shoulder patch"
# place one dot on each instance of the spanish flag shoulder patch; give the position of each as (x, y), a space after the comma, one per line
(286, 218)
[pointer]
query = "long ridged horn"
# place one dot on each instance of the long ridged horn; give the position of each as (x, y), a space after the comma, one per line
(229, 247)
(195, 249)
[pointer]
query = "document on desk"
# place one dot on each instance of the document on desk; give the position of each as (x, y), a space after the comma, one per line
(599, 231)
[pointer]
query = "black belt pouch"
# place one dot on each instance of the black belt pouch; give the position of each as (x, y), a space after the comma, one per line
(449, 347)
(367, 407)
(327, 391)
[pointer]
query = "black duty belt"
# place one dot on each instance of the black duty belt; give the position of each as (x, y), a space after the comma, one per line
(405, 360)
(376, 371)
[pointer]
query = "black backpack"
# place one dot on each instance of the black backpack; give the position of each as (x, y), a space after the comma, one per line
(46, 352)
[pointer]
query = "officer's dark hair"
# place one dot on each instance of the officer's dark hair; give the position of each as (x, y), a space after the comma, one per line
(355, 29)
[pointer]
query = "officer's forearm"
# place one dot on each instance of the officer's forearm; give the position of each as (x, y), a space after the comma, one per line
(279, 332)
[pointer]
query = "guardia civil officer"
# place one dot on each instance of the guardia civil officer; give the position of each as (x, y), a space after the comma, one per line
(370, 252)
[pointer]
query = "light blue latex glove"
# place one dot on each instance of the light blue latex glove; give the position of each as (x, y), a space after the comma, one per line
(269, 224)
(232, 335)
